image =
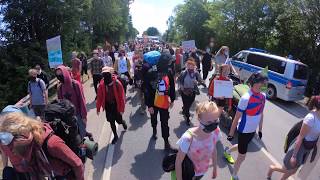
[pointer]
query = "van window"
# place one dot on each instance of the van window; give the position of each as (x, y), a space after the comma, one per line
(300, 72)
(239, 57)
(263, 61)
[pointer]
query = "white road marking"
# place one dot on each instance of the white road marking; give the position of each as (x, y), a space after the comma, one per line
(269, 156)
(108, 162)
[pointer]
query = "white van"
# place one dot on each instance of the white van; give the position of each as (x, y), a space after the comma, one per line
(287, 78)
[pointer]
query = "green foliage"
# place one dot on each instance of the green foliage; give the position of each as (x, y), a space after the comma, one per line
(28, 24)
(152, 31)
(282, 27)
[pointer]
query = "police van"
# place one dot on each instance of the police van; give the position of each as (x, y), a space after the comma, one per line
(287, 78)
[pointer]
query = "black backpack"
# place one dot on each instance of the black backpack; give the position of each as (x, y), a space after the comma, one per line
(60, 115)
(292, 135)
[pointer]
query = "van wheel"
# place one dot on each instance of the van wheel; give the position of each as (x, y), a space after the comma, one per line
(271, 92)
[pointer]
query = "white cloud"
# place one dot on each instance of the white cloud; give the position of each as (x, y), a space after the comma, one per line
(147, 13)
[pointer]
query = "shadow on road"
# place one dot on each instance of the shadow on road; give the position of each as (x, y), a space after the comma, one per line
(295, 109)
(148, 165)
(137, 120)
(99, 160)
(181, 128)
(91, 105)
(118, 152)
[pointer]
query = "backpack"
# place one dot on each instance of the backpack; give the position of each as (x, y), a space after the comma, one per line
(39, 84)
(60, 115)
(292, 135)
(161, 99)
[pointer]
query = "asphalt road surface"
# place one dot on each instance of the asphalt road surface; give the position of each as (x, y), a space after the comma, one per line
(137, 156)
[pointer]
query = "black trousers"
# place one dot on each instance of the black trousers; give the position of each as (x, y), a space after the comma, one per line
(187, 101)
(164, 117)
(96, 80)
(113, 116)
(205, 73)
(84, 70)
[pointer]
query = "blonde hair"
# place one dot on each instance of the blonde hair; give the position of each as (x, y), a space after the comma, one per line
(18, 123)
(223, 48)
(205, 107)
(32, 72)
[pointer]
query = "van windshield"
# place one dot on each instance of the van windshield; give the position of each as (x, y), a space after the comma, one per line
(300, 72)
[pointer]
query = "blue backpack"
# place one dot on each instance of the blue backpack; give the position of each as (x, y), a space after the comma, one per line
(152, 57)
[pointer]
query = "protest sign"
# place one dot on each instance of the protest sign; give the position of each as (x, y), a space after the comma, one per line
(54, 52)
(223, 89)
(188, 45)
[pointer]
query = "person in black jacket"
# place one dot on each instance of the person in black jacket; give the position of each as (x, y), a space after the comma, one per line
(195, 56)
(159, 94)
(42, 75)
(206, 63)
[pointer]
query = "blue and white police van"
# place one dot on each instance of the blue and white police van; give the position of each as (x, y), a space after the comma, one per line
(287, 78)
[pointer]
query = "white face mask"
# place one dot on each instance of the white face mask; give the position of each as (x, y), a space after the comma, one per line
(226, 53)
(208, 50)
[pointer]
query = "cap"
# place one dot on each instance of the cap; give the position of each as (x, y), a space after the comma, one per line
(10, 109)
(107, 69)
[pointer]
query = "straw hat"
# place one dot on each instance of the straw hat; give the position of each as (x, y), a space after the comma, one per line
(107, 70)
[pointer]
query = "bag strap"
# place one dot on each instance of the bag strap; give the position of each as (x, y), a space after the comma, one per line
(191, 134)
(77, 94)
(44, 151)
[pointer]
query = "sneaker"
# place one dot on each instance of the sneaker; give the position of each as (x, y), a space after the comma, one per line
(228, 157)
(169, 148)
(188, 123)
(154, 134)
(234, 178)
(124, 124)
(114, 140)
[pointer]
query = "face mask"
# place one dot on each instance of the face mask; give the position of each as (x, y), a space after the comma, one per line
(210, 127)
(60, 78)
(208, 50)
(32, 78)
(191, 70)
(6, 138)
(107, 77)
(226, 53)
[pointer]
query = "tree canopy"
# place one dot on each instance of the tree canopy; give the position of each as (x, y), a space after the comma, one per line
(152, 31)
(26, 25)
(281, 27)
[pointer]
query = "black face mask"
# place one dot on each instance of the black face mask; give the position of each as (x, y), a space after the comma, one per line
(31, 78)
(60, 78)
(210, 127)
(107, 77)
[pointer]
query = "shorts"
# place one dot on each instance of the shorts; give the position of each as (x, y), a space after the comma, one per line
(302, 156)
(243, 141)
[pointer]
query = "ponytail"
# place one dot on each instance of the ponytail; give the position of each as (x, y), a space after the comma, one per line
(314, 103)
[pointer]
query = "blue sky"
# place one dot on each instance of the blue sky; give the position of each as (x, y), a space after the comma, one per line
(146, 13)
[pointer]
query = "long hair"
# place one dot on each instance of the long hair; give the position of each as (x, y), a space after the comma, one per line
(222, 49)
(314, 103)
(18, 123)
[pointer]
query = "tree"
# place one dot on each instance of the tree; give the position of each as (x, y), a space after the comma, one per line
(26, 25)
(152, 31)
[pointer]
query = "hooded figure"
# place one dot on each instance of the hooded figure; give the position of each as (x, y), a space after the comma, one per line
(111, 98)
(72, 90)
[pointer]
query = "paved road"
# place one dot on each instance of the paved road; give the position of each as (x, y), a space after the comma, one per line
(137, 156)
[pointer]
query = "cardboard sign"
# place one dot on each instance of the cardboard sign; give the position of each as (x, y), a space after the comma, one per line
(188, 45)
(54, 52)
(223, 89)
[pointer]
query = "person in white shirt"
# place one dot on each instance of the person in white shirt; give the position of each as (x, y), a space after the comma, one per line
(304, 143)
